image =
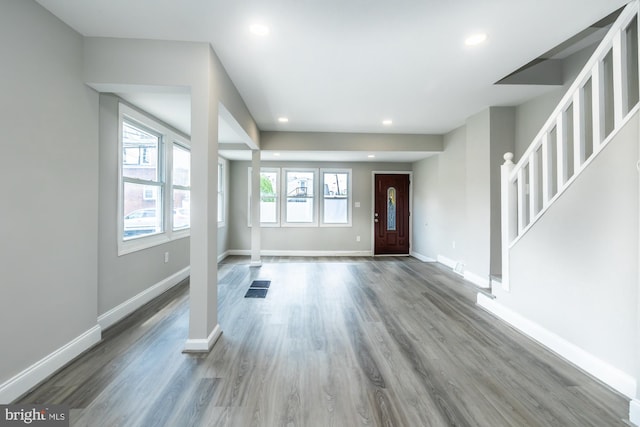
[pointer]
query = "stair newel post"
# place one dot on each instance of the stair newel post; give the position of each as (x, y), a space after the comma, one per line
(509, 214)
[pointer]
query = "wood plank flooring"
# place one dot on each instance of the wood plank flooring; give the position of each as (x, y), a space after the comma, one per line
(336, 342)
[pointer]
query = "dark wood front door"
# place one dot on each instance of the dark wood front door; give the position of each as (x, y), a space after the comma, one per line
(391, 214)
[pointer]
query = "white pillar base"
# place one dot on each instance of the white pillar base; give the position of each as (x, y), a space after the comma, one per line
(203, 345)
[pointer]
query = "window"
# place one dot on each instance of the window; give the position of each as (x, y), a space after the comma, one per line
(181, 187)
(142, 181)
(269, 197)
(299, 203)
(336, 198)
(151, 213)
(221, 185)
(269, 208)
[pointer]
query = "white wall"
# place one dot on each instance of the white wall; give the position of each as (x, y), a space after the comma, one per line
(575, 273)
(457, 195)
(308, 238)
(478, 194)
(49, 214)
(440, 199)
(123, 277)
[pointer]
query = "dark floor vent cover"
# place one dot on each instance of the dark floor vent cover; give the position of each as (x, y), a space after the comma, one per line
(260, 284)
(256, 293)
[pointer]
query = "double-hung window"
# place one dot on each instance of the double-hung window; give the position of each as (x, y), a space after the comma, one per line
(181, 187)
(269, 197)
(299, 201)
(306, 197)
(336, 197)
(154, 191)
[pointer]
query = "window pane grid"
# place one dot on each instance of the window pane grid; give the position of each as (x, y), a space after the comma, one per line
(335, 198)
(300, 200)
(269, 197)
(155, 173)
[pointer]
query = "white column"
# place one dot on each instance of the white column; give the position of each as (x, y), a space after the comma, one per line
(203, 291)
(255, 209)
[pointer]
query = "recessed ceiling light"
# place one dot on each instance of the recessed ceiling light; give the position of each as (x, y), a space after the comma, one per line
(259, 30)
(276, 154)
(387, 122)
(283, 119)
(371, 156)
(475, 39)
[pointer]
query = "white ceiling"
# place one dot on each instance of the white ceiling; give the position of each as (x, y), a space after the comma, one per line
(344, 66)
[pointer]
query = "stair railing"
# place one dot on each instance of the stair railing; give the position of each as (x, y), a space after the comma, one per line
(601, 100)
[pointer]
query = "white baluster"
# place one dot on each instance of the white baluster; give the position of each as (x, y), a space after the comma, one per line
(547, 182)
(534, 208)
(578, 130)
(597, 90)
(561, 146)
(522, 202)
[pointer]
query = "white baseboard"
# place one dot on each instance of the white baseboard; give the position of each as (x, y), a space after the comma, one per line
(448, 262)
(203, 345)
(132, 304)
(271, 252)
(634, 411)
(477, 280)
(45, 367)
(421, 257)
(606, 373)
(223, 255)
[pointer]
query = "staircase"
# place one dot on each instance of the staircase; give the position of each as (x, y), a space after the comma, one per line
(585, 311)
(596, 107)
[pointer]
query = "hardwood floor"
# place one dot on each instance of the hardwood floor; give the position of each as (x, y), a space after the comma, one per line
(336, 342)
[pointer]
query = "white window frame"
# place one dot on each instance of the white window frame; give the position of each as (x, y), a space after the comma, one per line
(165, 157)
(278, 173)
(348, 172)
(222, 194)
(183, 232)
(283, 198)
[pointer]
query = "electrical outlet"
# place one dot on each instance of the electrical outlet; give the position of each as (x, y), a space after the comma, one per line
(453, 244)
(357, 238)
(166, 257)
